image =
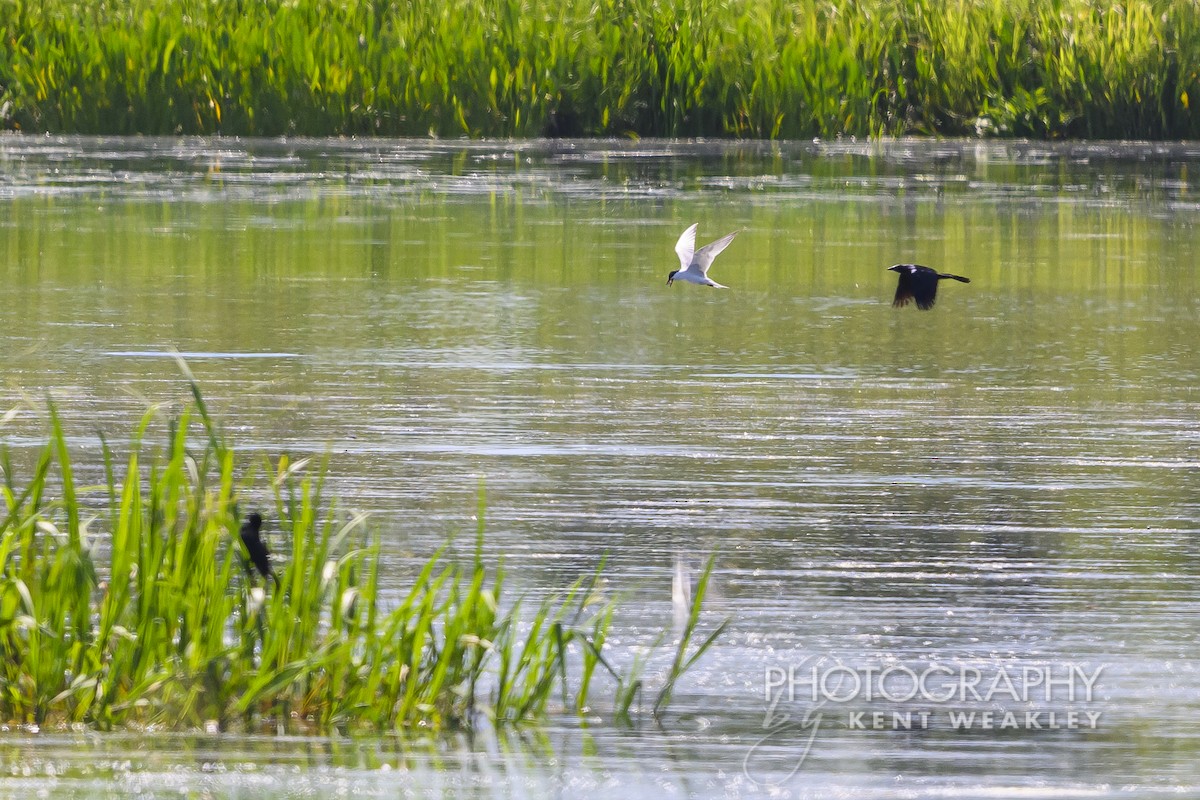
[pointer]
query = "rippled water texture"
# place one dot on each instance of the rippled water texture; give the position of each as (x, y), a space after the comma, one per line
(1007, 483)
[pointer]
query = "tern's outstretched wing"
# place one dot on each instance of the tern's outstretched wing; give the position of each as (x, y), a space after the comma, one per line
(705, 255)
(686, 245)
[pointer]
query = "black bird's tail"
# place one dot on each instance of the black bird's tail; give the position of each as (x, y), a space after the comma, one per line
(954, 277)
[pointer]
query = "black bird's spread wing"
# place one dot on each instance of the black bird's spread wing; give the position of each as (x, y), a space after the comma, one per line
(916, 283)
(925, 292)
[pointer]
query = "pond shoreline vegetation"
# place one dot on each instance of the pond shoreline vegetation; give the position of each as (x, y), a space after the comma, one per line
(142, 612)
(664, 68)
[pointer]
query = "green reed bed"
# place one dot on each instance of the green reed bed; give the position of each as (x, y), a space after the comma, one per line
(759, 68)
(141, 610)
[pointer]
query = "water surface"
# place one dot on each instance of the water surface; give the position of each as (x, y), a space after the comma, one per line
(1005, 482)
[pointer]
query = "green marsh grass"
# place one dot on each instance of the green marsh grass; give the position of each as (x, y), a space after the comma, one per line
(519, 68)
(142, 612)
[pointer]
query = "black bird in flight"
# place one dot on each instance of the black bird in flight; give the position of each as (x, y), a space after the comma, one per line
(920, 284)
(257, 547)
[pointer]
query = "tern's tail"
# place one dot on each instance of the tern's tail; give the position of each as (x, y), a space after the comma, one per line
(954, 277)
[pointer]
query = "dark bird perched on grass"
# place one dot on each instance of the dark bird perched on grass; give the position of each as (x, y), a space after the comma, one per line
(920, 284)
(257, 547)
